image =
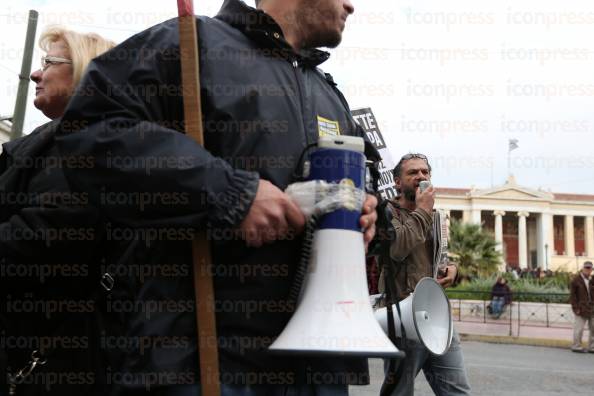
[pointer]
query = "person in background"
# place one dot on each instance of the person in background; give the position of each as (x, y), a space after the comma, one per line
(68, 54)
(39, 220)
(500, 297)
(410, 255)
(581, 290)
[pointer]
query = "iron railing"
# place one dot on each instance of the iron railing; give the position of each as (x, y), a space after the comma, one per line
(526, 309)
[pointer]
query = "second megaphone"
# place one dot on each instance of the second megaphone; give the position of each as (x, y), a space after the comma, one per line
(426, 317)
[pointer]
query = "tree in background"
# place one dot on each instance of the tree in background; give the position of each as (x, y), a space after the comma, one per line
(473, 250)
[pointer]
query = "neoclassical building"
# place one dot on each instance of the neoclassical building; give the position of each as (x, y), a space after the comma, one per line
(534, 228)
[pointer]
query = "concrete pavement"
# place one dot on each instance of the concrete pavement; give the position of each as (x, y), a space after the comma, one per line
(499, 332)
(516, 370)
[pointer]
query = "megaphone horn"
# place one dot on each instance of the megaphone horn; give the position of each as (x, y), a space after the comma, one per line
(333, 316)
(426, 316)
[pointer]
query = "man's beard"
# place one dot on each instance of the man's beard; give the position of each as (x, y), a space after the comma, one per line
(314, 32)
(409, 194)
(327, 39)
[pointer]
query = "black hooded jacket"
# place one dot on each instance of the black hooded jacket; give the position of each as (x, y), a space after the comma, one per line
(263, 105)
(49, 267)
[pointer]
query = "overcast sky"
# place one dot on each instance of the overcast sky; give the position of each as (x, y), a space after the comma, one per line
(455, 80)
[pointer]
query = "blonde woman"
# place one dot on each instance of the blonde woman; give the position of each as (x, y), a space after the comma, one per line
(67, 56)
(47, 255)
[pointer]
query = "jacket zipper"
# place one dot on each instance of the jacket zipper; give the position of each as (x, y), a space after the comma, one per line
(295, 64)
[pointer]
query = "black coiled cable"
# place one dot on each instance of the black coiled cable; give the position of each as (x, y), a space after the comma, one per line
(306, 252)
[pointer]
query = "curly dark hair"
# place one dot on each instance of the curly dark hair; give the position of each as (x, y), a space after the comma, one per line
(397, 171)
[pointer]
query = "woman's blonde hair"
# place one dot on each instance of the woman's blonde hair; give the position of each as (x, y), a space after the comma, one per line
(82, 47)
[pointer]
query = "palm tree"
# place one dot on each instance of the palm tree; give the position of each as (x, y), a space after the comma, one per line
(474, 250)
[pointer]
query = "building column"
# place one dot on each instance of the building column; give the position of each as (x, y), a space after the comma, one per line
(499, 236)
(522, 240)
(466, 216)
(476, 216)
(448, 221)
(569, 237)
(589, 236)
(544, 239)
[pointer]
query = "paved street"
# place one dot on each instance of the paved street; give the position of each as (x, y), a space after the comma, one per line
(515, 370)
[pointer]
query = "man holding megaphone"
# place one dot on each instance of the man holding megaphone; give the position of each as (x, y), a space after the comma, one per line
(409, 258)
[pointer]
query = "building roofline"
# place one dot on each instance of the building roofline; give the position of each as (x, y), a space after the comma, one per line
(566, 197)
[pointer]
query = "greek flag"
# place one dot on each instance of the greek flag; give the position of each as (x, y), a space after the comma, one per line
(513, 144)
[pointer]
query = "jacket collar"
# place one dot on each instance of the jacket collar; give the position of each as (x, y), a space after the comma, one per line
(261, 28)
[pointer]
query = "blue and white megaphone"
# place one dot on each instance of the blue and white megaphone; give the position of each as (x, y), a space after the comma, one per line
(333, 315)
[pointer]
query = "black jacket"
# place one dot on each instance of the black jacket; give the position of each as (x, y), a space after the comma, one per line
(263, 105)
(49, 241)
(502, 290)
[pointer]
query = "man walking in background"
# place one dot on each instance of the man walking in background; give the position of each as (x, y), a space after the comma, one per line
(411, 259)
(582, 304)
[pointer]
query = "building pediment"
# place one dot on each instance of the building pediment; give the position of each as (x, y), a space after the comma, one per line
(512, 193)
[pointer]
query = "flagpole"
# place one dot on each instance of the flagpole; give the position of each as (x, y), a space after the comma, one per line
(511, 146)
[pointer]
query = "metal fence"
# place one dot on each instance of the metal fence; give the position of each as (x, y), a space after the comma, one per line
(472, 306)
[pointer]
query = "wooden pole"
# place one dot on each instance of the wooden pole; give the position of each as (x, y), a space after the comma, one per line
(203, 285)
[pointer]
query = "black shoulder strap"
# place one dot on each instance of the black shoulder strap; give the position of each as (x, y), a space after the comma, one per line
(392, 293)
(394, 208)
